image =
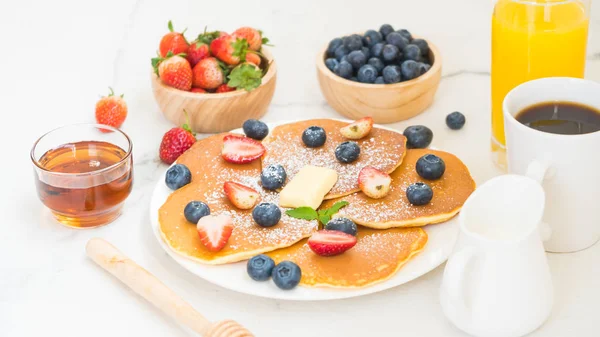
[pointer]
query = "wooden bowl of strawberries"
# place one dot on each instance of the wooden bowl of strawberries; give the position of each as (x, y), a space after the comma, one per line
(215, 82)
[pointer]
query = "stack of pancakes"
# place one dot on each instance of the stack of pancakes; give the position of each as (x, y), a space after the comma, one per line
(389, 234)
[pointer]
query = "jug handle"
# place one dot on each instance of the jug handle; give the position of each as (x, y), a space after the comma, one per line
(455, 278)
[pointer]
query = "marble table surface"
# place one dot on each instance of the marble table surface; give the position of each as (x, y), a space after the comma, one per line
(59, 56)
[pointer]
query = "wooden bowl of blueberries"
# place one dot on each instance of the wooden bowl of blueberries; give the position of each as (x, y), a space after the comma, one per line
(386, 74)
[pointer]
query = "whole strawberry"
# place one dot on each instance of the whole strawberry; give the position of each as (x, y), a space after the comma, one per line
(224, 88)
(174, 71)
(111, 110)
(229, 49)
(208, 74)
(175, 142)
(252, 36)
(173, 42)
(199, 48)
(253, 58)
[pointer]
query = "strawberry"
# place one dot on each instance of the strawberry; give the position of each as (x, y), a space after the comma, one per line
(111, 110)
(229, 49)
(330, 242)
(214, 231)
(199, 48)
(241, 150)
(374, 183)
(198, 90)
(358, 129)
(253, 58)
(175, 142)
(172, 42)
(224, 88)
(174, 71)
(245, 76)
(208, 74)
(252, 36)
(241, 196)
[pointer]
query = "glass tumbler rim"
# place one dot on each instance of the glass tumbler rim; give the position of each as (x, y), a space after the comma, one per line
(99, 171)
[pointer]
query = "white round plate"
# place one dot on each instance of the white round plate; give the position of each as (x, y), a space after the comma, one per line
(234, 277)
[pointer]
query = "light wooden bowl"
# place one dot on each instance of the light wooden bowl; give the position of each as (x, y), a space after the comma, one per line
(386, 103)
(212, 113)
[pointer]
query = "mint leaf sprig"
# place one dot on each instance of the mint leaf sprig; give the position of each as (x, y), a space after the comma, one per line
(322, 215)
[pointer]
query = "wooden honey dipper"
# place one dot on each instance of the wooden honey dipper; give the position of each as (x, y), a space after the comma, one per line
(153, 290)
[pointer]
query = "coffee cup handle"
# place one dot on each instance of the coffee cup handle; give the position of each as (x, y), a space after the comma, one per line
(537, 171)
(454, 279)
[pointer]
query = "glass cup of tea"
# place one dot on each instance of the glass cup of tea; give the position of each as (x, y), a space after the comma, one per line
(83, 173)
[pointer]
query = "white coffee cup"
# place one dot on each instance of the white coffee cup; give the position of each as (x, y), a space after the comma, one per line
(568, 166)
(497, 281)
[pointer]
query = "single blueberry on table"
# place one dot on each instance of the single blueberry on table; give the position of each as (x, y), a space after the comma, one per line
(367, 74)
(377, 49)
(405, 34)
(260, 267)
(418, 136)
(347, 152)
(419, 194)
(379, 80)
(195, 210)
(390, 53)
(344, 69)
(273, 177)
(386, 29)
(357, 59)
(330, 63)
(256, 129)
(333, 45)
(314, 136)
(430, 167)
(410, 70)
(266, 214)
(353, 42)
(377, 63)
(397, 40)
(178, 176)
(372, 37)
(411, 52)
(286, 275)
(340, 52)
(455, 120)
(366, 51)
(391, 74)
(343, 225)
(423, 46)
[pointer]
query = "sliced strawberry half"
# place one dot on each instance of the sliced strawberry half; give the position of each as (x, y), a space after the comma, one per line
(241, 196)
(374, 183)
(329, 243)
(241, 149)
(215, 231)
(358, 129)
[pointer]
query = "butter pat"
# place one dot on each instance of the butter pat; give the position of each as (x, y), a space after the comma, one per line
(308, 187)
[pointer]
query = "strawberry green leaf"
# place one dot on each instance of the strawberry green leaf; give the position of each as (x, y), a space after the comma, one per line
(155, 62)
(326, 214)
(224, 67)
(240, 48)
(305, 213)
(245, 76)
(170, 25)
(208, 37)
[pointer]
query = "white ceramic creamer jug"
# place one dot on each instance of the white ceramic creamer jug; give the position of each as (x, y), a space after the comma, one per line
(497, 281)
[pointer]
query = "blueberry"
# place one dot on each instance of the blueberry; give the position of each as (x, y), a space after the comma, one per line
(455, 120)
(367, 74)
(357, 59)
(366, 51)
(397, 40)
(372, 37)
(423, 68)
(405, 34)
(377, 49)
(343, 69)
(286, 275)
(386, 29)
(195, 210)
(340, 52)
(333, 45)
(260, 267)
(353, 42)
(410, 70)
(391, 74)
(423, 46)
(379, 80)
(430, 167)
(411, 52)
(330, 63)
(178, 176)
(314, 136)
(343, 225)
(273, 177)
(419, 194)
(418, 136)
(344, 59)
(255, 129)
(347, 152)
(390, 53)
(266, 214)
(377, 63)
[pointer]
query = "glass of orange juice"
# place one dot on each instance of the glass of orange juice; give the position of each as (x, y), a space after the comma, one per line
(533, 39)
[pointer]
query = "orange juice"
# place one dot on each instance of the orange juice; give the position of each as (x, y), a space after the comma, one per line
(533, 39)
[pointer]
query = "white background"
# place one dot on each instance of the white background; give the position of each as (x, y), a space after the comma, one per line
(57, 57)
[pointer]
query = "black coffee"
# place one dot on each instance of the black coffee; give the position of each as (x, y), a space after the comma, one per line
(565, 118)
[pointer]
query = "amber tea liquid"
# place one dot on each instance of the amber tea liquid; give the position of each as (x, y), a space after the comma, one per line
(95, 194)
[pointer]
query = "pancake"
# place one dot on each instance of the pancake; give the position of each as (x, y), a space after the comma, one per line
(381, 149)
(449, 194)
(209, 172)
(377, 256)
